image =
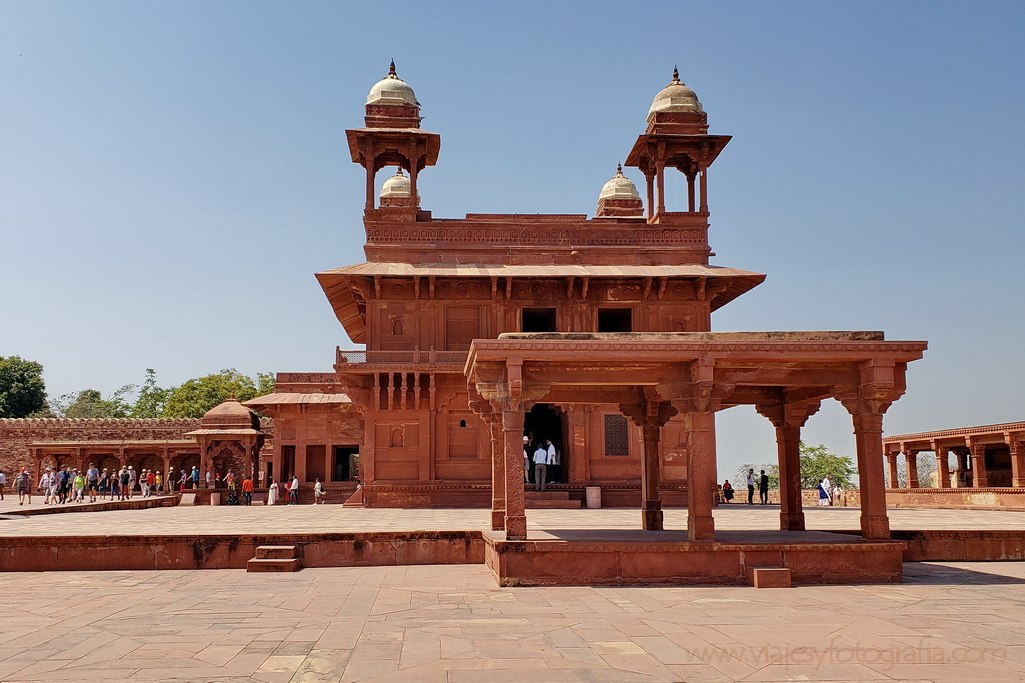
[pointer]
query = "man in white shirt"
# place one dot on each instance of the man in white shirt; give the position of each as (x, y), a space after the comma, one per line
(540, 466)
(526, 460)
(553, 459)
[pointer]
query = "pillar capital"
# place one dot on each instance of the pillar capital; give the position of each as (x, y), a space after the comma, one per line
(788, 414)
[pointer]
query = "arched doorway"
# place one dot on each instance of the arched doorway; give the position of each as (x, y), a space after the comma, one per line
(544, 421)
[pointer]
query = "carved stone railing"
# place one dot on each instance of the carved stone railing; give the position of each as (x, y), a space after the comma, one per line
(404, 357)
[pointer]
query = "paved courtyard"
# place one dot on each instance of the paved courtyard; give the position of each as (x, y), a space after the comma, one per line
(952, 622)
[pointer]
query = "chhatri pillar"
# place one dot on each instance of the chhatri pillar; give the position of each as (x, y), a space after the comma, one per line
(498, 476)
(980, 479)
(911, 456)
(942, 466)
(1016, 442)
(788, 419)
(512, 438)
(650, 417)
(700, 474)
(882, 384)
(891, 462)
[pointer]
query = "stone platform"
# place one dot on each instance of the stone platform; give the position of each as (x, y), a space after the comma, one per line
(586, 558)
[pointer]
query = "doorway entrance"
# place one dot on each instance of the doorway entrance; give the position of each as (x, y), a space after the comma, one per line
(345, 464)
(544, 421)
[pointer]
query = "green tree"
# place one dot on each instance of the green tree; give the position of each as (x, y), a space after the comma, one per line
(22, 391)
(264, 383)
(90, 403)
(152, 399)
(196, 396)
(818, 462)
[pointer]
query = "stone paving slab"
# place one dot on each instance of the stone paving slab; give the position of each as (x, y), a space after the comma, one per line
(219, 520)
(946, 622)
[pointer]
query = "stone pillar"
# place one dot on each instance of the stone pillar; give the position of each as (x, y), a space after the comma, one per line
(651, 496)
(788, 451)
(1017, 460)
(868, 434)
(651, 194)
(942, 467)
(660, 174)
(498, 478)
(700, 466)
(691, 205)
(891, 461)
(980, 479)
(704, 190)
(515, 513)
(912, 459)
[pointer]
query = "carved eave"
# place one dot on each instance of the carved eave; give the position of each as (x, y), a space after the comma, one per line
(345, 299)
(677, 148)
(392, 146)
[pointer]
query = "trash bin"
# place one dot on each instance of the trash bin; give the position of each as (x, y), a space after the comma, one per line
(593, 494)
(215, 498)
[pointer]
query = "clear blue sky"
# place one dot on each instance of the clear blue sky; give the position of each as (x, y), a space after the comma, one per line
(172, 174)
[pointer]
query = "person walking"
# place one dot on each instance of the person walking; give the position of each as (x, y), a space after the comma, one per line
(318, 493)
(540, 467)
(79, 487)
(44, 486)
(151, 482)
(727, 490)
(195, 476)
(92, 482)
(751, 486)
(158, 482)
(553, 461)
(526, 459)
(247, 490)
(824, 492)
(3, 484)
(293, 491)
(181, 482)
(125, 479)
(763, 487)
(272, 492)
(23, 484)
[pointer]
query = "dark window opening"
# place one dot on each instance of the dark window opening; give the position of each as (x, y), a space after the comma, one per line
(345, 465)
(614, 320)
(539, 320)
(462, 424)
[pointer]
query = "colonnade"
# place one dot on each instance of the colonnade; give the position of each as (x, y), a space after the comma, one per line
(970, 469)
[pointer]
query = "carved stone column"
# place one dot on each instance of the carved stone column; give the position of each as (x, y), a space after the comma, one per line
(1017, 445)
(788, 420)
(942, 466)
(498, 478)
(868, 434)
(651, 497)
(512, 436)
(912, 460)
(700, 473)
(980, 479)
(891, 461)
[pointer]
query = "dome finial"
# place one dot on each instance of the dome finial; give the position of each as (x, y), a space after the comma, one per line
(619, 168)
(391, 69)
(676, 74)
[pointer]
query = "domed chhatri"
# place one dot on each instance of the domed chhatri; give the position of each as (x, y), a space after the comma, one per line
(620, 187)
(675, 97)
(392, 90)
(619, 198)
(397, 191)
(230, 413)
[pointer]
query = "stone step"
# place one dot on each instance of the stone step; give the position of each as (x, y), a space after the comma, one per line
(769, 577)
(275, 552)
(545, 495)
(272, 565)
(542, 504)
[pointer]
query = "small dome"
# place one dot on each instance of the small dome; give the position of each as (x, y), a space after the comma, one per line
(620, 187)
(675, 97)
(391, 90)
(230, 413)
(396, 186)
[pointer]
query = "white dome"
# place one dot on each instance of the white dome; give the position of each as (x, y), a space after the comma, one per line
(391, 90)
(396, 186)
(620, 187)
(675, 97)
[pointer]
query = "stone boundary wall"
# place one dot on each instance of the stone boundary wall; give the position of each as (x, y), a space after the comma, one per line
(17, 433)
(961, 498)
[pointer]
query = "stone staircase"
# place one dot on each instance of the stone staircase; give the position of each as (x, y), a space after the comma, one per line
(550, 500)
(274, 558)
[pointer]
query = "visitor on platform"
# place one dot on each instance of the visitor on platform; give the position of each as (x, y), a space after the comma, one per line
(132, 478)
(727, 490)
(824, 492)
(272, 492)
(293, 491)
(829, 488)
(208, 478)
(144, 483)
(23, 484)
(125, 481)
(318, 492)
(92, 482)
(540, 467)
(526, 459)
(837, 496)
(553, 461)
(169, 480)
(751, 486)
(181, 482)
(195, 476)
(115, 484)
(232, 488)
(763, 488)
(247, 490)
(3, 484)
(64, 484)
(44, 486)
(151, 482)
(104, 484)
(79, 486)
